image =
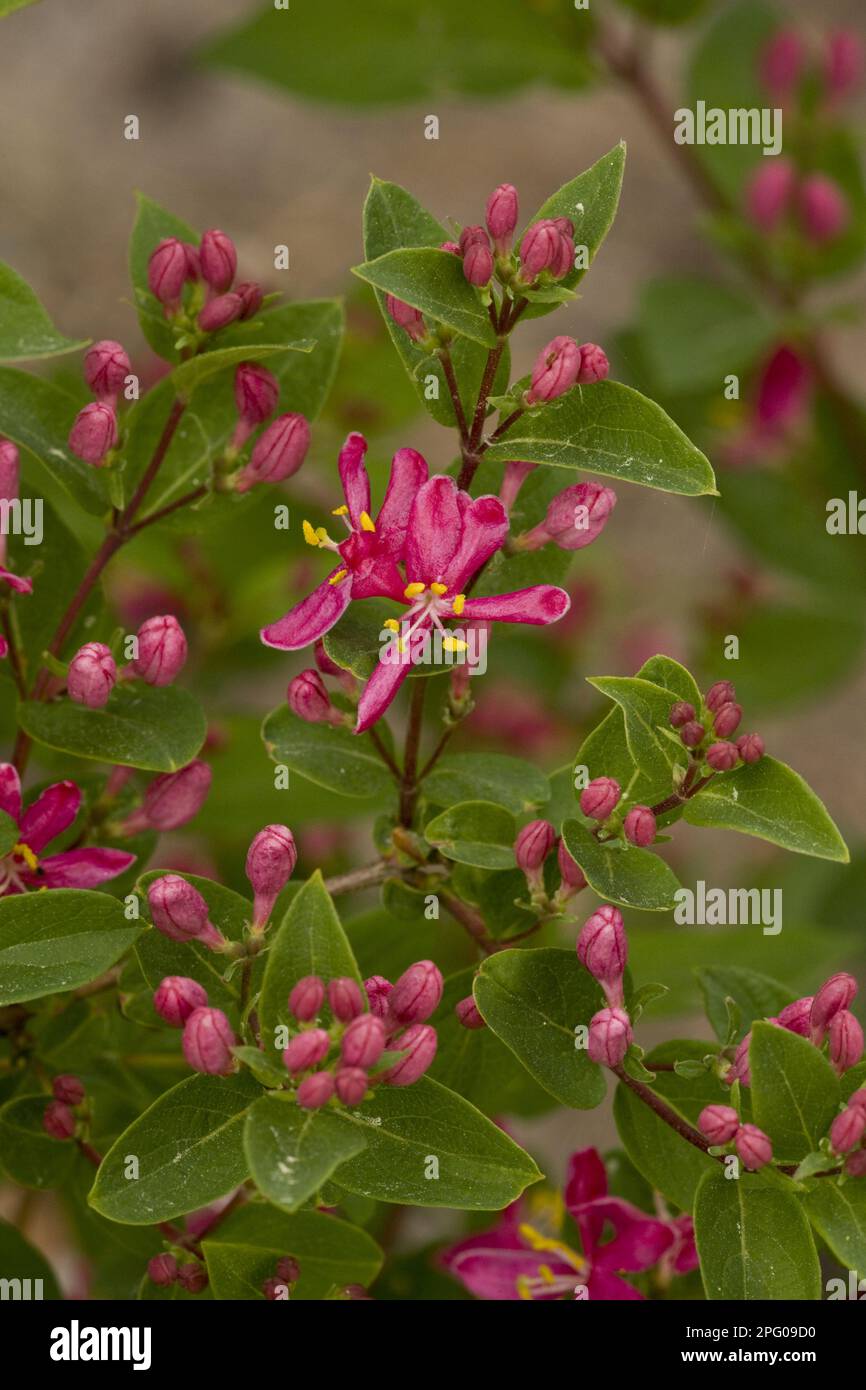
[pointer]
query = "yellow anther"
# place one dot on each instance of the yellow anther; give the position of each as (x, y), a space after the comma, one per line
(335, 578)
(340, 511)
(25, 852)
(458, 605)
(324, 538)
(546, 1274)
(439, 589)
(366, 522)
(413, 590)
(453, 644)
(392, 624)
(524, 1287)
(310, 534)
(537, 1241)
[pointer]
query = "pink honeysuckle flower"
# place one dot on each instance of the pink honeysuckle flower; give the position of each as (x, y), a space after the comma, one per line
(46, 818)
(519, 1259)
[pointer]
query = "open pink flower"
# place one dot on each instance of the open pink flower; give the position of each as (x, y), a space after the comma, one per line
(48, 816)
(520, 1260)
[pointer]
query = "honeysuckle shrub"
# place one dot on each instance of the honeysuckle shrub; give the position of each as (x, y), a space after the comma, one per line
(247, 1077)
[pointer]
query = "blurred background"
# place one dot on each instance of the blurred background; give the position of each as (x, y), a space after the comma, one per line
(276, 145)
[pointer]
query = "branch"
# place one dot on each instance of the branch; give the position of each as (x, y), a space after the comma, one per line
(357, 879)
(376, 740)
(409, 780)
(454, 390)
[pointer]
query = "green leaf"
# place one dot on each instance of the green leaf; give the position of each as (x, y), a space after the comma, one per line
(30, 1156)
(291, 1152)
(305, 374)
(666, 1160)
(609, 429)
(57, 939)
(8, 833)
(189, 1147)
(673, 12)
(620, 872)
(432, 281)
(838, 1213)
(677, 311)
(664, 671)
(756, 996)
(38, 416)
(334, 758)
(188, 375)
(474, 832)
(795, 1092)
(153, 225)
(754, 1241)
(243, 1251)
(26, 331)
(646, 708)
(156, 728)
(310, 941)
(479, 1167)
(9, 6)
(21, 1260)
(770, 800)
(158, 956)
(533, 1001)
(510, 782)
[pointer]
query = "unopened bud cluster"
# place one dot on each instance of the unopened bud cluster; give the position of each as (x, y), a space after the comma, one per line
(95, 430)
(59, 1119)
(707, 731)
(533, 845)
(161, 653)
(720, 1124)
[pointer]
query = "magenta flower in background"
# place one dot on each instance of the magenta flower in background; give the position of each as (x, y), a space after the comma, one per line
(518, 1259)
(48, 816)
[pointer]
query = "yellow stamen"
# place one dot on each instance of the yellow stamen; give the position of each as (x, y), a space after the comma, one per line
(546, 1274)
(335, 578)
(324, 538)
(439, 589)
(453, 644)
(340, 511)
(458, 605)
(524, 1287)
(310, 534)
(25, 852)
(538, 1241)
(413, 590)
(366, 522)
(401, 645)
(392, 624)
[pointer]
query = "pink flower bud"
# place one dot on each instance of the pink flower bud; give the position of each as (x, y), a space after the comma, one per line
(177, 997)
(847, 1129)
(419, 1045)
(256, 392)
(563, 261)
(843, 66)
(208, 1041)
(68, 1088)
(769, 192)
(781, 62)
(834, 995)
(250, 294)
(92, 675)
(602, 949)
(575, 517)
(472, 236)
(161, 650)
(739, 1070)
(824, 210)
(721, 757)
(467, 1013)
(306, 1050)
(594, 365)
(533, 845)
(173, 798)
(417, 993)
(600, 797)
(277, 454)
(219, 260)
(351, 1085)
(179, 911)
(750, 748)
(162, 1270)
(167, 270)
(572, 874)
(192, 1277)
(857, 1099)
(753, 1147)
(720, 694)
(501, 216)
(640, 826)
(610, 1037)
(106, 367)
(58, 1120)
(271, 860)
(378, 991)
(345, 998)
(316, 1090)
(307, 998)
(478, 264)
(193, 262)
(274, 1289)
(795, 1017)
(727, 718)
(718, 1123)
(681, 713)
(94, 433)
(288, 1269)
(406, 317)
(539, 248)
(855, 1164)
(556, 370)
(846, 1041)
(309, 699)
(692, 733)
(363, 1041)
(223, 309)
(451, 246)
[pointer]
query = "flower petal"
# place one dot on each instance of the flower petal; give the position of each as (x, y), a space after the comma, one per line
(10, 790)
(605, 1287)
(83, 868)
(485, 526)
(434, 530)
(353, 475)
(542, 603)
(311, 618)
(493, 1273)
(21, 586)
(51, 814)
(408, 475)
(380, 691)
(639, 1242)
(585, 1180)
